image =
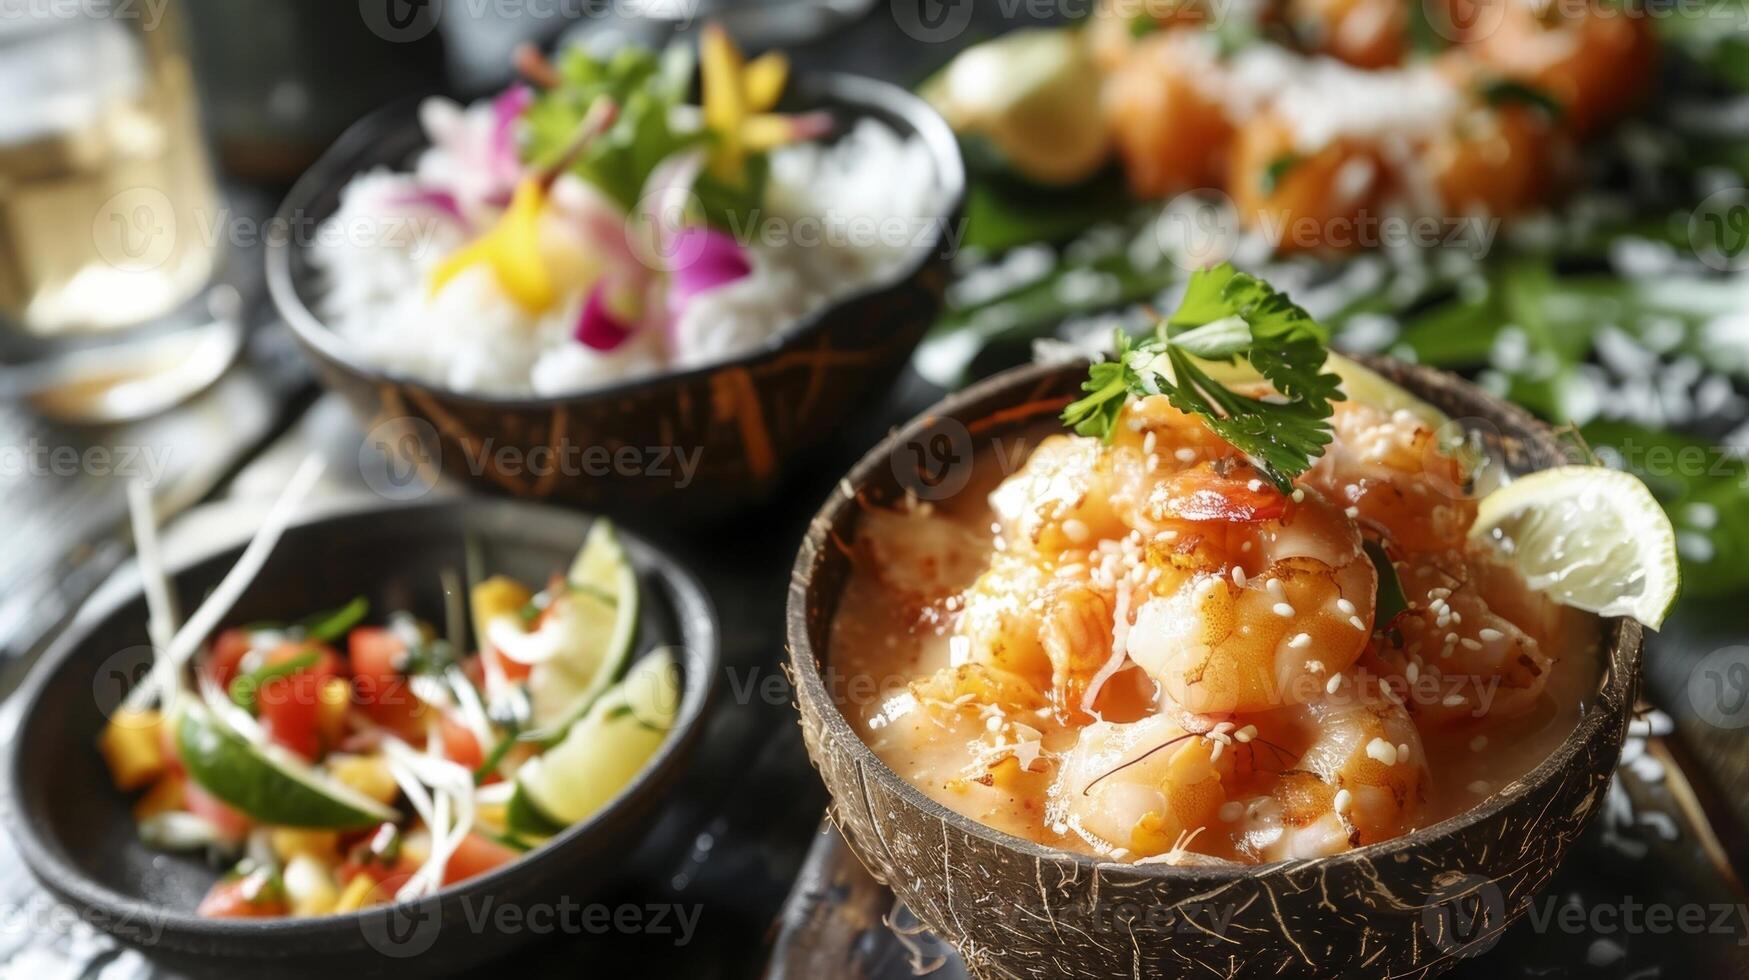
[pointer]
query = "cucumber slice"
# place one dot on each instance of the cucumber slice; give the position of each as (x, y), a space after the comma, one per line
(600, 754)
(268, 785)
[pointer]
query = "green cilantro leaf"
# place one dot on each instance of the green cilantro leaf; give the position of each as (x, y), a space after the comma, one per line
(1226, 315)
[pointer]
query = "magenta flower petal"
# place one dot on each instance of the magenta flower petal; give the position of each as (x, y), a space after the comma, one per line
(700, 260)
(436, 200)
(506, 110)
(598, 328)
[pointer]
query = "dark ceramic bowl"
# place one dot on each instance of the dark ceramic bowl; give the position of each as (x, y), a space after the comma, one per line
(76, 833)
(745, 418)
(1409, 907)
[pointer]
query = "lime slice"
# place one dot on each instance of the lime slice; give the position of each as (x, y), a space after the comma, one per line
(599, 623)
(1590, 537)
(601, 754)
(269, 785)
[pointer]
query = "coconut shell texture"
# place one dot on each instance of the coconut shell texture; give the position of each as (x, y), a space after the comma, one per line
(1410, 907)
(741, 420)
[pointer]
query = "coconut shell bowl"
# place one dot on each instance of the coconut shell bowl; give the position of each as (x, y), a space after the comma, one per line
(744, 419)
(1408, 907)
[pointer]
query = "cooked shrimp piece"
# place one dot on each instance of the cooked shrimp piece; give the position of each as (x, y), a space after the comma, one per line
(1358, 781)
(1494, 161)
(965, 735)
(1147, 787)
(1172, 134)
(1303, 201)
(920, 555)
(1391, 470)
(1364, 33)
(1118, 24)
(1476, 642)
(1061, 499)
(1051, 627)
(1596, 62)
(1256, 612)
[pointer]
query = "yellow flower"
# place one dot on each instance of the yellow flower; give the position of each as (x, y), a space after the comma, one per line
(738, 96)
(512, 251)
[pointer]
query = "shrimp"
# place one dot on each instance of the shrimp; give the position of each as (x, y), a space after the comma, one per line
(1112, 33)
(1303, 201)
(1051, 627)
(965, 736)
(1359, 780)
(1147, 787)
(920, 555)
(1062, 498)
(1476, 642)
(1388, 471)
(1254, 606)
(1364, 33)
(1172, 134)
(1596, 62)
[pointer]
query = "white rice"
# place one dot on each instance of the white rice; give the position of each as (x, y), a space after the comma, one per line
(838, 218)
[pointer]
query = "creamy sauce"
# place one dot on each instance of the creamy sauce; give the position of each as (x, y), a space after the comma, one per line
(1138, 777)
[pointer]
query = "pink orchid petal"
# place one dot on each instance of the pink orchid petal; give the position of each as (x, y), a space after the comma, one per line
(598, 328)
(506, 110)
(436, 200)
(702, 259)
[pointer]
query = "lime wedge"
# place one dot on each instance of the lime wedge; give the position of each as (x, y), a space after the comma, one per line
(601, 753)
(597, 625)
(1590, 537)
(268, 785)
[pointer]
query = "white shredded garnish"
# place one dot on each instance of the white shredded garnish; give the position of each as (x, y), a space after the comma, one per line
(171, 659)
(179, 830)
(448, 808)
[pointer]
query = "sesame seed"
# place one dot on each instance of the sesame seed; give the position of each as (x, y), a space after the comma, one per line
(1076, 530)
(1185, 454)
(1479, 787)
(1244, 547)
(1275, 589)
(1149, 441)
(1489, 634)
(1283, 610)
(1254, 485)
(1403, 751)
(1352, 512)
(1342, 801)
(1153, 463)
(1239, 576)
(1469, 644)
(1300, 641)
(1299, 495)
(1382, 751)
(1333, 684)
(1215, 752)
(1314, 666)
(1452, 700)
(1412, 672)
(1357, 623)
(1231, 810)
(1346, 607)
(1246, 734)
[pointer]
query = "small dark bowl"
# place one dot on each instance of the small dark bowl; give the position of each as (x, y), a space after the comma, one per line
(76, 833)
(746, 417)
(1408, 907)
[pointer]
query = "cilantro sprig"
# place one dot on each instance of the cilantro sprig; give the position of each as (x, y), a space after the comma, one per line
(1226, 316)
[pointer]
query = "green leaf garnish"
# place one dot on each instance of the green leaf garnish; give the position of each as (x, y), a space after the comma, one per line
(245, 687)
(1276, 170)
(1391, 599)
(1505, 91)
(329, 626)
(1226, 315)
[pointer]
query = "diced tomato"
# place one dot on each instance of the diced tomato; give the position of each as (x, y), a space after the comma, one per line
(475, 856)
(229, 649)
(377, 656)
(289, 706)
(228, 900)
(229, 822)
(459, 744)
(1218, 491)
(512, 670)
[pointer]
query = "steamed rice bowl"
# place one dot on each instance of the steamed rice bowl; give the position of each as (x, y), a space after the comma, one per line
(641, 281)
